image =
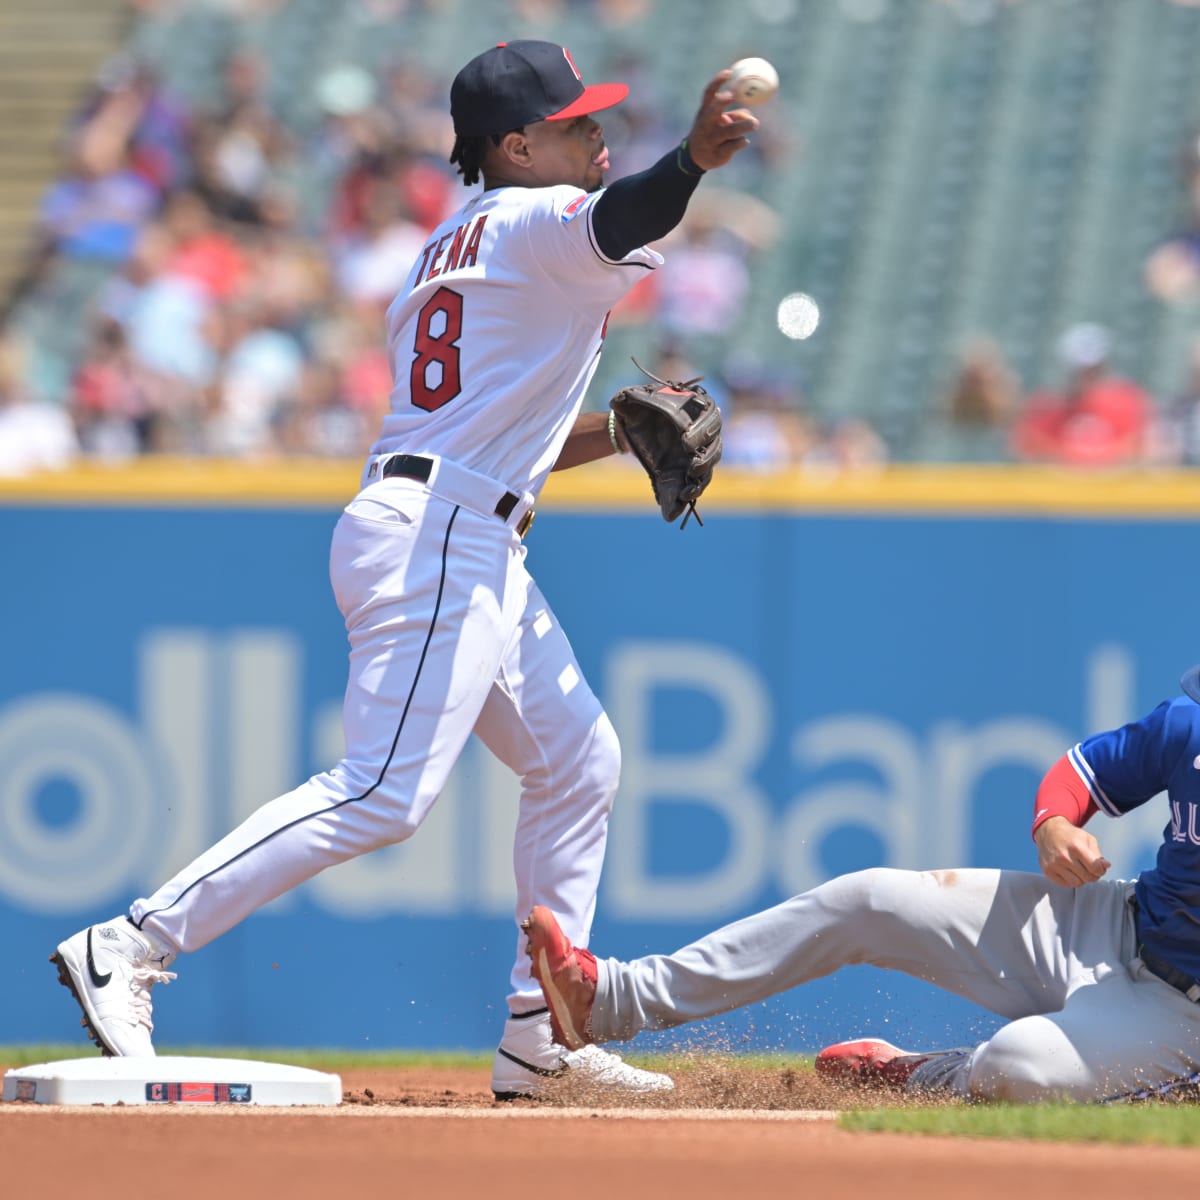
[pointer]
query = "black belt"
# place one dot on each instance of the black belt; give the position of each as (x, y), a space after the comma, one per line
(416, 466)
(1159, 967)
(1180, 981)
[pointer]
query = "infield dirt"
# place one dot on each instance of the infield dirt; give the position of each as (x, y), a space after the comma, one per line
(727, 1133)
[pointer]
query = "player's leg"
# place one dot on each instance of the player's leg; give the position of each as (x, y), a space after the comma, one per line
(1110, 1039)
(543, 721)
(1048, 948)
(973, 932)
(423, 597)
(1090, 1022)
(424, 587)
(992, 937)
(1120, 1029)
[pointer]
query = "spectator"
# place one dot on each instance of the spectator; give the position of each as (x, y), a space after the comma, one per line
(110, 405)
(259, 380)
(373, 261)
(95, 212)
(126, 148)
(701, 301)
(1172, 268)
(355, 132)
(642, 131)
(416, 118)
(1095, 419)
(705, 294)
(174, 328)
(241, 151)
(1176, 434)
(350, 343)
(852, 446)
(171, 329)
(320, 422)
(974, 420)
(427, 191)
(34, 435)
(766, 427)
(200, 251)
(620, 14)
(290, 274)
(131, 109)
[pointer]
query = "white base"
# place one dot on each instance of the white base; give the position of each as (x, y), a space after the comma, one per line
(167, 1080)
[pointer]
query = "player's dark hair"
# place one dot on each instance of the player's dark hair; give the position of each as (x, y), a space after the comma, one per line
(469, 153)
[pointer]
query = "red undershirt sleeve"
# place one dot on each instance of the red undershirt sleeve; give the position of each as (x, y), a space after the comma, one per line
(1063, 794)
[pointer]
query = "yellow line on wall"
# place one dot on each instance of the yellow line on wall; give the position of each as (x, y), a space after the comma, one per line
(620, 485)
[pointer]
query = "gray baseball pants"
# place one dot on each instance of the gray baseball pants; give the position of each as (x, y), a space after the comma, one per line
(1087, 1021)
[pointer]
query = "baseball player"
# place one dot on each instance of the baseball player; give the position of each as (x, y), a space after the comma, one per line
(1099, 979)
(493, 339)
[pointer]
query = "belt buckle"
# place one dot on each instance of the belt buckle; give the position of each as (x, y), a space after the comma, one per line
(524, 523)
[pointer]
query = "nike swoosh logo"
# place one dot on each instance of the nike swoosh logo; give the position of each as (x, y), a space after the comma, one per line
(98, 979)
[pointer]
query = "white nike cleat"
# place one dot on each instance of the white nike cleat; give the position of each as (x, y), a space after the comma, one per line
(608, 1071)
(529, 1064)
(110, 969)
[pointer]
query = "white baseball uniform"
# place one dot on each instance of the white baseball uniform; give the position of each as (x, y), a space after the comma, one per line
(493, 342)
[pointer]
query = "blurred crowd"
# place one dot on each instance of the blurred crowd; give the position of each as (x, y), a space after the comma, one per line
(232, 276)
(1090, 415)
(235, 275)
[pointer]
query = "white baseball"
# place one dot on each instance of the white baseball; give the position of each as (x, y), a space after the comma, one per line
(754, 81)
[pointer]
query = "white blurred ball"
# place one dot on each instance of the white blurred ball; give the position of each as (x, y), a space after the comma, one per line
(754, 81)
(798, 316)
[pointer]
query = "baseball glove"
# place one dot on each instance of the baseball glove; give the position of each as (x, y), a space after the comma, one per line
(675, 431)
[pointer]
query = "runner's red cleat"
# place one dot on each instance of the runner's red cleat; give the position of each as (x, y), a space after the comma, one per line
(567, 975)
(869, 1062)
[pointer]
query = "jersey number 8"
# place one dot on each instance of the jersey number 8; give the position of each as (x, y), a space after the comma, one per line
(440, 348)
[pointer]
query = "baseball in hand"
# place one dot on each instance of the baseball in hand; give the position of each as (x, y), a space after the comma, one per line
(754, 81)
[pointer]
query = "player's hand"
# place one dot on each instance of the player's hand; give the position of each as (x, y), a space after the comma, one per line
(719, 132)
(1068, 855)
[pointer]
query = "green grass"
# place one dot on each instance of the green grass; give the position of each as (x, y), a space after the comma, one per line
(1123, 1124)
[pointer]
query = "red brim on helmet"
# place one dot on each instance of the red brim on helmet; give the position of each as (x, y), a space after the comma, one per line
(595, 98)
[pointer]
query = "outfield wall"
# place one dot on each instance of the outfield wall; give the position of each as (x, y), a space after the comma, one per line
(829, 674)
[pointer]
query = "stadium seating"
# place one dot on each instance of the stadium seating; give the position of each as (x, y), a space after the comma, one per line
(957, 167)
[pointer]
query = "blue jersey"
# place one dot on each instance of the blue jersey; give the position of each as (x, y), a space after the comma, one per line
(1124, 768)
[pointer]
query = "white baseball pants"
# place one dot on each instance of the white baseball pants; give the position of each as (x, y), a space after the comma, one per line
(448, 634)
(1087, 1021)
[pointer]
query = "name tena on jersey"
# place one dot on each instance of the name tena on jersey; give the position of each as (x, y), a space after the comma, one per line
(451, 251)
